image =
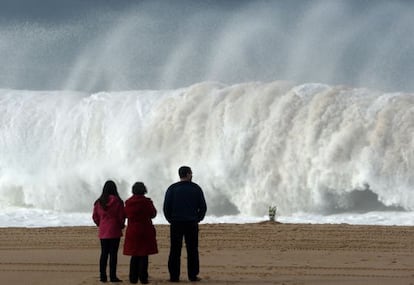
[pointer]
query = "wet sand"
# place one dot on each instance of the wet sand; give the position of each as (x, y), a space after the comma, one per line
(262, 253)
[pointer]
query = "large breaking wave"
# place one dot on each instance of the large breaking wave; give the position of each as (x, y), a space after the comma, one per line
(310, 147)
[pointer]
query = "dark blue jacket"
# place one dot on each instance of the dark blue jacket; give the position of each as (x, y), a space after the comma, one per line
(184, 202)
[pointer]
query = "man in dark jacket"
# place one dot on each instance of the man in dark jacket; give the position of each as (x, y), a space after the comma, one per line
(184, 208)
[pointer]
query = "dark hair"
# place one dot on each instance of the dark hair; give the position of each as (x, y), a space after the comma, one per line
(108, 189)
(139, 188)
(183, 171)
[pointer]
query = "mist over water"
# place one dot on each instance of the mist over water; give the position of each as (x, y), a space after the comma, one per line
(305, 105)
(306, 148)
(134, 45)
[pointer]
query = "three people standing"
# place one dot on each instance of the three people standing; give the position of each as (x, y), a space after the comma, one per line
(184, 207)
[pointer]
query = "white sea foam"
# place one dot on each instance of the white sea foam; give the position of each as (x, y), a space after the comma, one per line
(24, 217)
(313, 148)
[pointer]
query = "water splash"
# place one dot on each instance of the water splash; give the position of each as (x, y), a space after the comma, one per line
(311, 147)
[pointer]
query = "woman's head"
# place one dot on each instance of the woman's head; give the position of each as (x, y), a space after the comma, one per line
(108, 189)
(139, 188)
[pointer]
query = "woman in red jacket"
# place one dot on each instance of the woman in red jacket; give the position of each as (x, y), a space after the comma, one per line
(109, 216)
(140, 237)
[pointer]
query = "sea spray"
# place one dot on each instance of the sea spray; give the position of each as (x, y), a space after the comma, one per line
(99, 45)
(306, 148)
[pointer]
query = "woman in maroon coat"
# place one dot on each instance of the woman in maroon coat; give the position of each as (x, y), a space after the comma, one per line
(140, 237)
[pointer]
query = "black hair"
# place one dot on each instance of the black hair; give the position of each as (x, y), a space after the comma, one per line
(183, 171)
(108, 189)
(139, 188)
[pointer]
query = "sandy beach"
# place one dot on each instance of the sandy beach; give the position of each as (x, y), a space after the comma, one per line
(261, 253)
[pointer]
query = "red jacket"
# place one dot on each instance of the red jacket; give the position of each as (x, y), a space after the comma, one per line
(140, 237)
(110, 221)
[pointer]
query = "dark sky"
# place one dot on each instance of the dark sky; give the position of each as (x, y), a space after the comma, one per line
(95, 45)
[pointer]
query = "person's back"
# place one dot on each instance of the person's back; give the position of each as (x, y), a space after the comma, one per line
(140, 237)
(184, 201)
(109, 216)
(184, 207)
(110, 220)
(139, 209)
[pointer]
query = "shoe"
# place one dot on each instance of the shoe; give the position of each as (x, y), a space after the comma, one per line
(195, 279)
(103, 279)
(174, 280)
(116, 280)
(144, 282)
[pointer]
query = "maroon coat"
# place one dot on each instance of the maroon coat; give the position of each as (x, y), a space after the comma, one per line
(140, 237)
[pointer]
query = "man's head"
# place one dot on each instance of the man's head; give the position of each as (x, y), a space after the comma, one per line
(185, 173)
